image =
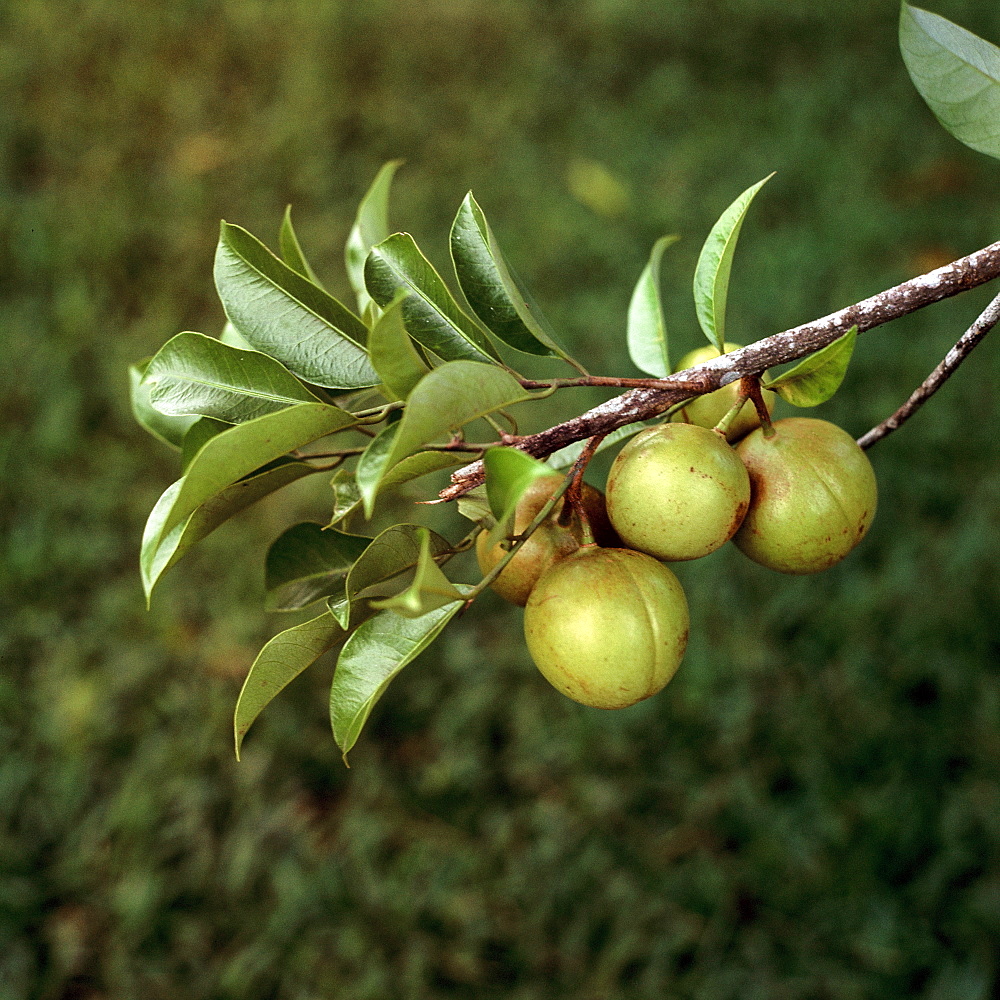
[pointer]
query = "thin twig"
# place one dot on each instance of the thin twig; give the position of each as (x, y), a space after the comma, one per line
(988, 319)
(641, 404)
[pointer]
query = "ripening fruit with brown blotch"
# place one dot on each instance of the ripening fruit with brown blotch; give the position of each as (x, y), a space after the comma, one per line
(549, 542)
(812, 495)
(709, 409)
(677, 491)
(607, 627)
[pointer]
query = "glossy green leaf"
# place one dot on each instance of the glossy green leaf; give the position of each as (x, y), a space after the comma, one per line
(495, 293)
(430, 313)
(278, 664)
(346, 498)
(291, 249)
(307, 563)
(816, 378)
(430, 588)
(169, 430)
(386, 566)
(371, 226)
(198, 433)
(373, 655)
(160, 550)
(227, 458)
(647, 326)
(711, 275)
(193, 373)
(392, 352)
(957, 73)
(284, 315)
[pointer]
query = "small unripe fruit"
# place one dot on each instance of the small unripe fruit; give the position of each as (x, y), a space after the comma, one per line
(813, 495)
(708, 410)
(607, 627)
(677, 491)
(549, 542)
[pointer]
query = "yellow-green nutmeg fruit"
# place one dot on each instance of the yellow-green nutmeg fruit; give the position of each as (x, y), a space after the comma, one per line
(607, 627)
(677, 491)
(813, 495)
(549, 542)
(708, 410)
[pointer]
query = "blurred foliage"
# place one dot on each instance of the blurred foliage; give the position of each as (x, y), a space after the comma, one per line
(809, 810)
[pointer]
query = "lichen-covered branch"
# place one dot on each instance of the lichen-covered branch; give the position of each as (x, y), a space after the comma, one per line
(641, 404)
(988, 319)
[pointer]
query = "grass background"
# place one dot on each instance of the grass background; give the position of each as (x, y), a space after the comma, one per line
(809, 810)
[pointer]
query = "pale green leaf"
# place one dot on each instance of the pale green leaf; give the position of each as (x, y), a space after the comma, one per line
(509, 472)
(816, 378)
(160, 550)
(392, 352)
(372, 657)
(495, 293)
(711, 275)
(307, 563)
(430, 313)
(193, 373)
(225, 459)
(475, 505)
(198, 433)
(647, 326)
(371, 226)
(284, 315)
(232, 337)
(430, 588)
(169, 430)
(278, 664)
(957, 73)
(291, 249)
(565, 457)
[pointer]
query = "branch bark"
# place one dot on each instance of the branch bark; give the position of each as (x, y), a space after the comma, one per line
(790, 345)
(988, 319)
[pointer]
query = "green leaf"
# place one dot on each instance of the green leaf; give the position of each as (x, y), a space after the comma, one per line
(647, 326)
(372, 476)
(169, 430)
(957, 73)
(346, 497)
(198, 433)
(816, 378)
(161, 550)
(279, 663)
(384, 568)
(430, 313)
(509, 472)
(371, 226)
(430, 588)
(193, 373)
(291, 249)
(392, 352)
(284, 315)
(711, 275)
(495, 293)
(475, 505)
(225, 459)
(443, 401)
(231, 337)
(372, 657)
(307, 563)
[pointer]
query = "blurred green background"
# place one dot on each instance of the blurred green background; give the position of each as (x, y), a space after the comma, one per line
(809, 810)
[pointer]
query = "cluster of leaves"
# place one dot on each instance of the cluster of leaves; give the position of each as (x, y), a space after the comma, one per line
(395, 383)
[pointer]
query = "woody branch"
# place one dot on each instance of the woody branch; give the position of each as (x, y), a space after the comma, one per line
(790, 345)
